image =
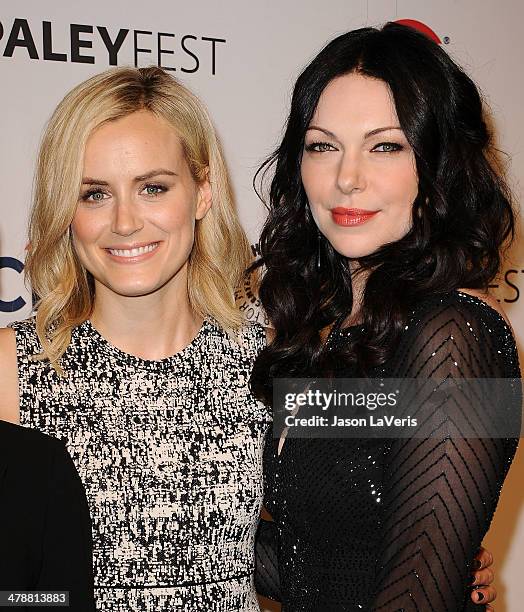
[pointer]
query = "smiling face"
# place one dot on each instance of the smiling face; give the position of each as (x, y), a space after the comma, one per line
(134, 225)
(358, 169)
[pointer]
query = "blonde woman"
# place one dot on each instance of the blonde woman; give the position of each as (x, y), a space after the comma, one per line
(137, 357)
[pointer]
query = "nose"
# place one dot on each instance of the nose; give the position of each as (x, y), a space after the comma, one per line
(126, 219)
(350, 175)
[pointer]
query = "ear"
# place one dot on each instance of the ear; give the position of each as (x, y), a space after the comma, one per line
(205, 197)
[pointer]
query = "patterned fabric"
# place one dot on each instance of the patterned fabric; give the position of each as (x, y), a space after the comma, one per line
(170, 454)
(393, 525)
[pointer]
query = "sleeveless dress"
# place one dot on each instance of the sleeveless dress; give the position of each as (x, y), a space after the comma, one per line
(170, 455)
(392, 525)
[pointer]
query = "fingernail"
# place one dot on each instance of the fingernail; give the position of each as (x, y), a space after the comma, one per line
(480, 596)
(477, 564)
(473, 579)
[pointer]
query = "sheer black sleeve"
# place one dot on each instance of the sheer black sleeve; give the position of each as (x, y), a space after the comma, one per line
(440, 492)
(267, 581)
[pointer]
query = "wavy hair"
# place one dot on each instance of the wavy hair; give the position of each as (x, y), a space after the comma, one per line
(221, 250)
(461, 218)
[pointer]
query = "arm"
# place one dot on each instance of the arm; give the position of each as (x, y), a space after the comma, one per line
(9, 402)
(441, 492)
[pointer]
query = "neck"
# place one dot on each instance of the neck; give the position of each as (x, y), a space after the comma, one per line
(358, 282)
(152, 326)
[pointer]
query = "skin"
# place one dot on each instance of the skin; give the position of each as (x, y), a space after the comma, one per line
(357, 156)
(346, 164)
(138, 191)
(140, 307)
(141, 304)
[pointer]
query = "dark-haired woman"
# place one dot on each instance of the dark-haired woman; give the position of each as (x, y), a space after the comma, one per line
(386, 226)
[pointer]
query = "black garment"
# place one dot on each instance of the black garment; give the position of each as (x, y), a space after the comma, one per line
(393, 525)
(45, 529)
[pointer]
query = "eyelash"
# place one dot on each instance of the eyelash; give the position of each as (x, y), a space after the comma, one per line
(396, 147)
(85, 196)
(318, 147)
(322, 147)
(314, 147)
(161, 189)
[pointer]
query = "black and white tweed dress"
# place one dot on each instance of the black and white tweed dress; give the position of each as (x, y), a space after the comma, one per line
(170, 454)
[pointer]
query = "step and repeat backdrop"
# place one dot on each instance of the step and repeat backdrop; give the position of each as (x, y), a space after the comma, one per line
(242, 58)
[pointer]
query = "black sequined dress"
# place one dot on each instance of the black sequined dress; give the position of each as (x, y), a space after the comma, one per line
(391, 525)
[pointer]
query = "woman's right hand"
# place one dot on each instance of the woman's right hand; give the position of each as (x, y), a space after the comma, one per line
(483, 576)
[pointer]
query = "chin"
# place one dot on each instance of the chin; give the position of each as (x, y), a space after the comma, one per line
(133, 289)
(353, 251)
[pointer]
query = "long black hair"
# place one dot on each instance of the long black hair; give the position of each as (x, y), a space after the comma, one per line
(461, 217)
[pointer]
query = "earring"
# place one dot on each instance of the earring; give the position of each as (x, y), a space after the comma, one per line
(419, 210)
(318, 250)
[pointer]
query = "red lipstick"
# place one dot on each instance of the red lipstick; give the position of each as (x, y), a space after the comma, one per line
(348, 217)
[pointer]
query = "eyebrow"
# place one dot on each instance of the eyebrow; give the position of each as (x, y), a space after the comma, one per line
(87, 180)
(366, 135)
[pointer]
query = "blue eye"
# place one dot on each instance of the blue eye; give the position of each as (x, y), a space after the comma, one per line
(94, 195)
(319, 147)
(154, 190)
(387, 147)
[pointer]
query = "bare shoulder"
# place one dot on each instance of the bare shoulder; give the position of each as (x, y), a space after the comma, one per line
(7, 349)
(9, 401)
(490, 301)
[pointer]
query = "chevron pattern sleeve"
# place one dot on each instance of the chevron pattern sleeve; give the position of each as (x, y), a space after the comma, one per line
(440, 492)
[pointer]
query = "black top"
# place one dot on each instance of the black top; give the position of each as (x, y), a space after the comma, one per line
(45, 529)
(392, 525)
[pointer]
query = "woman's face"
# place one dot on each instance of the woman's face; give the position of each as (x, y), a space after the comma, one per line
(358, 169)
(134, 224)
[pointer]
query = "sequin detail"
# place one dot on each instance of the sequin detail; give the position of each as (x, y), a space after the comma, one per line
(338, 547)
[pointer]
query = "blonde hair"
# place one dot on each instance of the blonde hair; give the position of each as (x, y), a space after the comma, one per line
(221, 250)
